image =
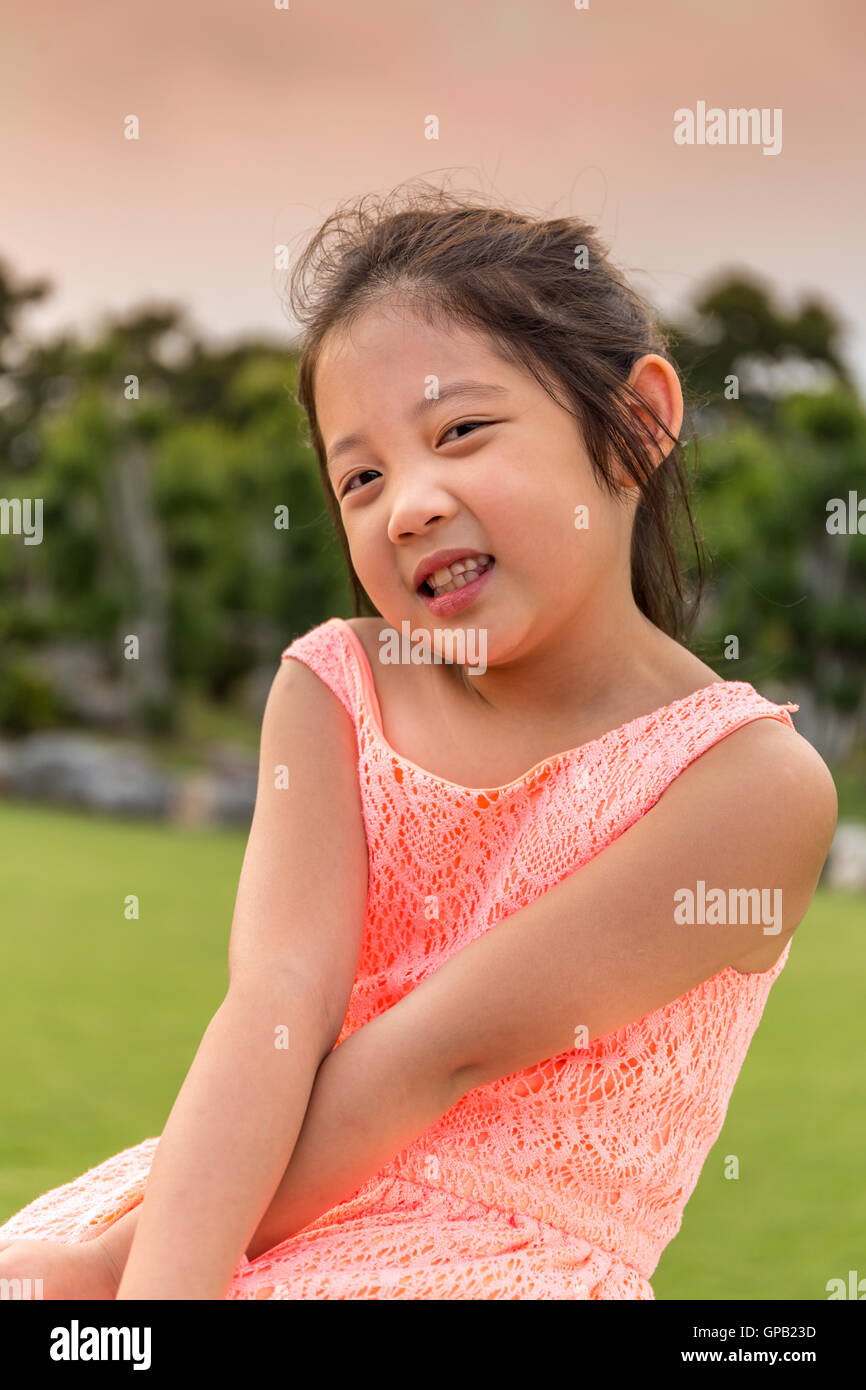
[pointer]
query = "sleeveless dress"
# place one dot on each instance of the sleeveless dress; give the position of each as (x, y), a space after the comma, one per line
(565, 1180)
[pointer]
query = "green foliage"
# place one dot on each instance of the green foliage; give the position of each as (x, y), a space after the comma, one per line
(159, 510)
(162, 465)
(791, 592)
(27, 699)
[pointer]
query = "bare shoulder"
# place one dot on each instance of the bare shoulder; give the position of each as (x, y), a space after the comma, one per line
(300, 697)
(300, 908)
(306, 725)
(776, 801)
(771, 766)
(776, 751)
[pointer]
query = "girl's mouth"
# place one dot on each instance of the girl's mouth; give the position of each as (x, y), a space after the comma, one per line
(465, 591)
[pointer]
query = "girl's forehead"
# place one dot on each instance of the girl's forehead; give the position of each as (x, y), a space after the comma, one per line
(399, 326)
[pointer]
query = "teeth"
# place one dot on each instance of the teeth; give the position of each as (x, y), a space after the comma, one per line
(458, 574)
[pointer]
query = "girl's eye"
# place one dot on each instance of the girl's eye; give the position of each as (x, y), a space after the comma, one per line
(354, 479)
(464, 425)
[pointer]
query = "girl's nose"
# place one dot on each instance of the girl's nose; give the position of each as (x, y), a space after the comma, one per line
(415, 504)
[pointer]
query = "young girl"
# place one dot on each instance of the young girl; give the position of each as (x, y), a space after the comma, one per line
(487, 998)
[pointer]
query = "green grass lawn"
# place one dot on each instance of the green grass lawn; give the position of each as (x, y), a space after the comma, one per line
(102, 1016)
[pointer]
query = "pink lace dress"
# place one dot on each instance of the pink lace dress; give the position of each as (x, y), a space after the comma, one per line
(563, 1181)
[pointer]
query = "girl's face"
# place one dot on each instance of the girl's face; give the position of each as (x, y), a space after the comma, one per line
(499, 468)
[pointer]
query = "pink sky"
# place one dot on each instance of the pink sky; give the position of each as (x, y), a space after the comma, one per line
(255, 122)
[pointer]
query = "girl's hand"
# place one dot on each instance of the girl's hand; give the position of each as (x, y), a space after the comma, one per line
(82, 1270)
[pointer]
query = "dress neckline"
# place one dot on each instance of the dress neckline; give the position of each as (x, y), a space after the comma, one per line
(365, 672)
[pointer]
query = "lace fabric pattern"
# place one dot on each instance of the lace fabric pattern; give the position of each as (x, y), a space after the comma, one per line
(568, 1179)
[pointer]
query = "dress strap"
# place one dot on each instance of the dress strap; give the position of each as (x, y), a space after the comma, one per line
(324, 649)
(683, 731)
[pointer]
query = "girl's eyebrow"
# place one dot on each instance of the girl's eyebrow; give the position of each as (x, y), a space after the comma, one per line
(446, 392)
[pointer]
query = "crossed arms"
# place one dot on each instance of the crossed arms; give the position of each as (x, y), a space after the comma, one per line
(599, 950)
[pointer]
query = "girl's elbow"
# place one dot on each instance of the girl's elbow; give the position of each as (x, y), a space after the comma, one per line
(288, 992)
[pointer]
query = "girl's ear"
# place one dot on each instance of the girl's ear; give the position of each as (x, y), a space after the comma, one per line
(656, 381)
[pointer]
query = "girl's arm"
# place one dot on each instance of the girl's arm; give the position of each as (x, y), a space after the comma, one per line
(718, 873)
(599, 950)
(295, 938)
(223, 1149)
(381, 1088)
(370, 1097)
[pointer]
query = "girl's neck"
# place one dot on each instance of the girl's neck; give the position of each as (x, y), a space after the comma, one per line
(638, 665)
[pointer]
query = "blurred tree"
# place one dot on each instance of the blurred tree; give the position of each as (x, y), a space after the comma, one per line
(792, 593)
(736, 328)
(164, 466)
(163, 469)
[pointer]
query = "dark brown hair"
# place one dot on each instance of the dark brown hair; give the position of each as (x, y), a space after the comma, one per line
(516, 278)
